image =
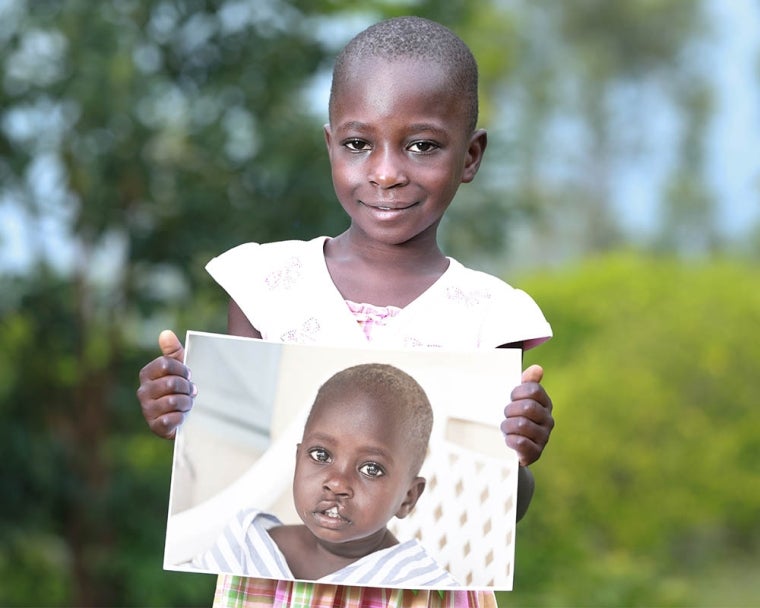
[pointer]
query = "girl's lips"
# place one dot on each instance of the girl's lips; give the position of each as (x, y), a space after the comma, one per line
(389, 206)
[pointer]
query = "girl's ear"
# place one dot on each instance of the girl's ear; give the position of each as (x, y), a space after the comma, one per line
(416, 488)
(328, 137)
(474, 156)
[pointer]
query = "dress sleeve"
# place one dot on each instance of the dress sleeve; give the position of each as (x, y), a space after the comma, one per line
(231, 269)
(504, 314)
(284, 289)
(514, 317)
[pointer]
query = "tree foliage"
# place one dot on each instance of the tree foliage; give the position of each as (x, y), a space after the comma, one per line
(650, 477)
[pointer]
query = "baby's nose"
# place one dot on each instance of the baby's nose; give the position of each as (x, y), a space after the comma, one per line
(338, 482)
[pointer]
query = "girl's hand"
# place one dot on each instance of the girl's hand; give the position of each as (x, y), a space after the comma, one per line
(528, 420)
(166, 393)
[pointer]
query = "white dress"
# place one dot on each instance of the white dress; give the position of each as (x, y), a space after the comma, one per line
(286, 291)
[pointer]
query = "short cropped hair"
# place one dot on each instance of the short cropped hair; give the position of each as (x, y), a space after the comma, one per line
(417, 39)
(395, 393)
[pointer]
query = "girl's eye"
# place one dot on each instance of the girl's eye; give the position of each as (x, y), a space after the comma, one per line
(372, 469)
(423, 146)
(356, 145)
(319, 455)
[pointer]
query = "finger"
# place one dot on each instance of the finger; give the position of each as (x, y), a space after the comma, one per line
(163, 366)
(166, 414)
(169, 404)
(166, 426)
(531, 410)
(534, 373)
(170, 345)
(530, 392)
(527, 451)
(526, 438)
(524, 427)
(167, 386)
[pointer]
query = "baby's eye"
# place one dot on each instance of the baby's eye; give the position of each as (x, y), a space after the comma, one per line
(357, 145)
(422, 146)
(319, 455)
(372, 469)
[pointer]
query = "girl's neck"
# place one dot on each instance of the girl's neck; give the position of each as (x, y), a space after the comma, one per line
(381, 274)
(422, 251)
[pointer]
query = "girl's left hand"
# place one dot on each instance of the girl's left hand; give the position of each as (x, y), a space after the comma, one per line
(528, 420)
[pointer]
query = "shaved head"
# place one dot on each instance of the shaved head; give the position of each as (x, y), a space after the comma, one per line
(413, 39)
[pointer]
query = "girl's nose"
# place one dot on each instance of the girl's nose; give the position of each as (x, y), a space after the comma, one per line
(387, 169)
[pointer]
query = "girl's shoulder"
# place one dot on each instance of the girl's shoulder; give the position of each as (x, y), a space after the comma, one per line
(504, 314)
(247, 252)
(471, 280)
(252, 259)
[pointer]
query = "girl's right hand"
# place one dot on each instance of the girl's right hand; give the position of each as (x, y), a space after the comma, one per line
(166, 392)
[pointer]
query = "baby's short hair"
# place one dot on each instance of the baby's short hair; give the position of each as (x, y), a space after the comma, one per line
(419, 39)
(396, 393)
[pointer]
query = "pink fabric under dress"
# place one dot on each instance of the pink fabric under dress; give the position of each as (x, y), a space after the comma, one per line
(369, 316)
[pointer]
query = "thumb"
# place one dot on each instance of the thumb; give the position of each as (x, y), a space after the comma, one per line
(170, 345)
(533, 374)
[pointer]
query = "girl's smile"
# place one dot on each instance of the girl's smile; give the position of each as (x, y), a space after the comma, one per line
(389, 207)
(389, 212)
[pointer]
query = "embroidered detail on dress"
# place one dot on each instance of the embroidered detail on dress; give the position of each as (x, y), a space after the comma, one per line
(286, 276)
(306, 333)
(469, 298)
(369, 316)
(415, 343)
(373, 318)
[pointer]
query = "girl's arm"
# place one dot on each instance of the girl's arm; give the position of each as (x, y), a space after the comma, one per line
(525, 487)
(238, 324)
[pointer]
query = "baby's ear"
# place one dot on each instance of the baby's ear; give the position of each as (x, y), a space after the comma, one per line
(416, 488)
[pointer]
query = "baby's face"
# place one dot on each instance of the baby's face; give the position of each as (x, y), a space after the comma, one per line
(400, 145)
(352, 475)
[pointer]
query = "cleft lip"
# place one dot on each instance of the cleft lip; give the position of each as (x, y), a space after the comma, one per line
(331, 511)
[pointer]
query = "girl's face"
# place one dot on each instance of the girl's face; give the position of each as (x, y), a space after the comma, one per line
(353, 474)
(399, 146)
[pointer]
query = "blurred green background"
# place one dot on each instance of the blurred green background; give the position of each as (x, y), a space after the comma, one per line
(138, 139)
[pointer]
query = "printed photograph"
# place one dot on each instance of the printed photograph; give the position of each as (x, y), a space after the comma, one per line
(346, 466)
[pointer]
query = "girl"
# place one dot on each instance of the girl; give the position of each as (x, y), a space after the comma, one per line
(401, 139)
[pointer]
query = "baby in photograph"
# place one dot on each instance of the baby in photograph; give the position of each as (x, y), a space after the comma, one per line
(357, 466)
